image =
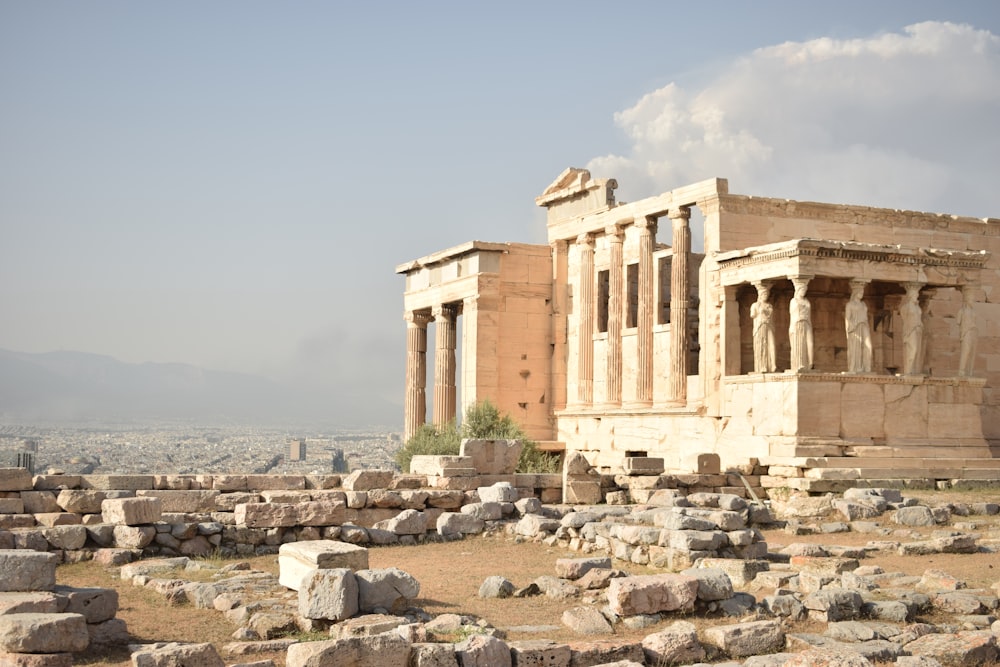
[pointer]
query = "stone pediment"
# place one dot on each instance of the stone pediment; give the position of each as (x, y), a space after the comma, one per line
(573, 182)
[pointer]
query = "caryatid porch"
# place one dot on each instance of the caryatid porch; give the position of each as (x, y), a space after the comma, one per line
(882, 362)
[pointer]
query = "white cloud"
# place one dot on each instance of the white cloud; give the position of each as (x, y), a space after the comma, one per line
(904, 120)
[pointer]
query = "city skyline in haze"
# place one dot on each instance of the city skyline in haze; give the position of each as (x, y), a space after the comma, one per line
(231, 184)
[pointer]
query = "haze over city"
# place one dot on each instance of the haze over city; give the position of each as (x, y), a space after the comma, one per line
(230, 185)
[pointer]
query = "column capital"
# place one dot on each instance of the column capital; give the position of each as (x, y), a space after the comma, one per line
(416, 318)
(586, 239)
(859, 282)
(681, 213)
(615, 233)
(443, 310)
(912, 285)
(559, 245)
(645, 224)
(802, 279)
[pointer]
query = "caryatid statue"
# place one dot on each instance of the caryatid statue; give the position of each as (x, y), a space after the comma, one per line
(859, 334)
(763, 330)
(913, 329)
(800, 329)
(967, 332)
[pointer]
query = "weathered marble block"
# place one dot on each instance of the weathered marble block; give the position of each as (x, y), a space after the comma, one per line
(94, 604)
(364, 480)
(117, 482)
(183, 501)
(442, 466)
(15, 479)
(131, 511)
(22, 570)
(81, 501)
(43, 633)
(492, 457)
(296, 559)
(651, 594)
(11, 506)
(28, 602)
(276, 515)
(330, 594)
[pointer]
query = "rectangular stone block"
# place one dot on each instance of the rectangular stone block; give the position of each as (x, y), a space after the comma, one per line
(285, 496)
(172, 482)
(11, 506)
(322, 481)
(183, 501)
(23, 570)
(442, 466)
(229, 501)
(81, 501)
(43, 633)
(56, 482)
(33, 602)
(15, 479)
(275, 482)
(117, 482)
(582, 492)
(296, 559)
(131, 511)
(365, 480)
(492, 457)
(229, 482)
(276, 515)
(10, 521)
(36, 502)
(51, 519)
(642, 465)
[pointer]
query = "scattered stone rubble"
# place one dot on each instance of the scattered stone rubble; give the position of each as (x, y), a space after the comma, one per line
(707, 541)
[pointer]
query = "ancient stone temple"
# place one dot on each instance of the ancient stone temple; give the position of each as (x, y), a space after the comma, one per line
(799, 333)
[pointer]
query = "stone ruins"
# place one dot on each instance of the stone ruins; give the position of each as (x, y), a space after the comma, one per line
(839, 341)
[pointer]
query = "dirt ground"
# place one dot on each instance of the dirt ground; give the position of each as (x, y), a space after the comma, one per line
(450, 575)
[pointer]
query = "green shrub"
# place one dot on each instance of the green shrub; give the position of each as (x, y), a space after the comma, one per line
(482, 421)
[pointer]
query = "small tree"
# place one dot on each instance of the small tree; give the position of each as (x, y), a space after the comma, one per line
(482, 421)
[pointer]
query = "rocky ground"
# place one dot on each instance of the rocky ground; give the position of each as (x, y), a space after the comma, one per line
(867, 577)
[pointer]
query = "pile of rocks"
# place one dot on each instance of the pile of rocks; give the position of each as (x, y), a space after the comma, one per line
(39, 617)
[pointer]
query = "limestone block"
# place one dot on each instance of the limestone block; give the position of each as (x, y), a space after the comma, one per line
(380, 650)
(15, 479)
(574, 568)
(51, 519)
(388, 589)
(43, 633)
(286, 496)
(28, 602)
(56, 482)
(740, 640)
(330, 594)
(22, 570)
(172, 482)
(651, 594)
(676, 645)
(407, 522)
(424, 654)
(11, 506)
(275, 482)
(483, 651)
(458, 523)
(116, 482)
(94, 604)
(365, 480)
(172, 654)
(133, 537)
(183, 501)
(538, 480)
(540, 653)
(642, 465)
(229, 501)
(112, 632)
(37, 502)
(584, 491)
(503, 492)
(276, 515)
(66, 537)
(131, 511)
(586, 621)
(962, 648)
(296, 559)
(442, 466)
(80, 501)
(492, 457)
(484, 511)
(226, 483)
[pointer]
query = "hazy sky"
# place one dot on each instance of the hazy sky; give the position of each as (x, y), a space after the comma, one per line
(231, 183)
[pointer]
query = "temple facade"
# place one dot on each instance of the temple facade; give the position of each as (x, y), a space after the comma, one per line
(800, 333)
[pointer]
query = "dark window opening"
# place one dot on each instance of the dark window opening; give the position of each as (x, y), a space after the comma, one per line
(603, 297)
(632, 314)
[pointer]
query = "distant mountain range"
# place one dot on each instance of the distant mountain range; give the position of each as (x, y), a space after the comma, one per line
(83, 387)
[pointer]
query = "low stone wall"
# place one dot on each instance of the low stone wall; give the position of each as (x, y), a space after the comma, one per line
(124, 516)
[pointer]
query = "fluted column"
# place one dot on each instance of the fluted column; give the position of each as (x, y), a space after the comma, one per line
(415, 403)
(644, 375)
(444, 364)
(557, 389)
(585, 334)
(679, 288)
(616, 286)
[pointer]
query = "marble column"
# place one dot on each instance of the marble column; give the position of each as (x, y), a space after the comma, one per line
(679, 289)
(585, 333)
(616, 287)
(644, 375)
(557, 388)
(415, 403)
(444, 364)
